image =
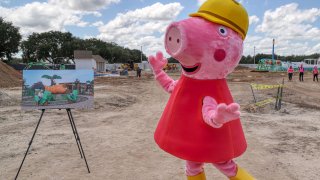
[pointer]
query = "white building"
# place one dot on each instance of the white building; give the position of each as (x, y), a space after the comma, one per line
(100, 63)
(85, 60)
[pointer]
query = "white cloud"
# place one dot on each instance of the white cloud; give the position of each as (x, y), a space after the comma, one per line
(253, 19)
(141, 27)
(52, 15)
(97, 24)
(200, 2)
(315, 48)
(293, 28)
(290, 22)
(243, 1)
(83, 5)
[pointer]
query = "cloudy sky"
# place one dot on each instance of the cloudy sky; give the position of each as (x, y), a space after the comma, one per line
(295, 24)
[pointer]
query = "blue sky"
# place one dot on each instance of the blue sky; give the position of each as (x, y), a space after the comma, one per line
(295, 24)
(33, 76)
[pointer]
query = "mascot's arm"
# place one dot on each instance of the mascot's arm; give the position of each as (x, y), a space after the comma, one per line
(157, 63)
(216, 115)
(165, 81)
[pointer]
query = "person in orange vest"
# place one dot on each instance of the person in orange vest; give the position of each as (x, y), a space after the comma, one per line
(315, 73)
(290, 73)
(301, 72)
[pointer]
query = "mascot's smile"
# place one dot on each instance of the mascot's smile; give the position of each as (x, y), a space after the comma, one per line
(191, 69)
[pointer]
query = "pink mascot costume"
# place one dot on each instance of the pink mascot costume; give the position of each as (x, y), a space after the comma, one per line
(200, 123)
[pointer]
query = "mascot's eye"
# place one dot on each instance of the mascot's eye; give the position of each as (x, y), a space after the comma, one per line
(223, 31)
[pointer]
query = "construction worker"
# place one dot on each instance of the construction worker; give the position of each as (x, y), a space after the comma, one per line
(315, 73)
(138, 72)
(290, 73)
(301, 72)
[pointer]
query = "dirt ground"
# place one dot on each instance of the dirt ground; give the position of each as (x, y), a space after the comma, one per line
(117, 135)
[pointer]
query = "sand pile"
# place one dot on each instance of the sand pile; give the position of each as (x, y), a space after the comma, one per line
(9, 77)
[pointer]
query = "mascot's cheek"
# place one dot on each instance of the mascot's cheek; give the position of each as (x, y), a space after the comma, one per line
(219, 55)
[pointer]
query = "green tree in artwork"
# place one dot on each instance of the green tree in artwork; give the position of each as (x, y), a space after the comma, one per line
(52, 78)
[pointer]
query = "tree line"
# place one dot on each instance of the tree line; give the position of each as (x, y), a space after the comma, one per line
(251, 60)
(58, 47)
(292, 58)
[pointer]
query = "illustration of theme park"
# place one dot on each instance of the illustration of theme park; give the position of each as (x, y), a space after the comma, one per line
(57, 89)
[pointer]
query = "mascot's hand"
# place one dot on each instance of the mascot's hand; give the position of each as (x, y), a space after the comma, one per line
(216, 114)
(157, 63)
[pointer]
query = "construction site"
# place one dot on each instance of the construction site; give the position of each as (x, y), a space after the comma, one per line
(117, 135)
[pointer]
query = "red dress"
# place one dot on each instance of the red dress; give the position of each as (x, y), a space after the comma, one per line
(182, 131)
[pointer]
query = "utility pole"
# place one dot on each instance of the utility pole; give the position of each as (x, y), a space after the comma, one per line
(254, 55)
(273, 42)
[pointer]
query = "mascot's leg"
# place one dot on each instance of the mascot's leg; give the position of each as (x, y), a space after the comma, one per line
(228, 168)
(234, 172)
(194, 171)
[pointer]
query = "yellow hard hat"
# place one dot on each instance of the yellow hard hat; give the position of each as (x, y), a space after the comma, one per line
(229, 13)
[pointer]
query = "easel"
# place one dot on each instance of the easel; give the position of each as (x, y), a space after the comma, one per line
(76, 136)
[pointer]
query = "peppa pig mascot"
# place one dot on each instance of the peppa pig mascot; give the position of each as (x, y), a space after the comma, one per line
(200, 123)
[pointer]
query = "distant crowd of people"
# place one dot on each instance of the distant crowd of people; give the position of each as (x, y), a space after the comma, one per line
(315, 73)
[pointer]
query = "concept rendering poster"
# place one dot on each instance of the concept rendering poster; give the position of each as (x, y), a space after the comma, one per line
(57, 89)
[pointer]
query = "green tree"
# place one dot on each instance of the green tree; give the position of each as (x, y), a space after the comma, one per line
(135, 55)
(112, 52)
(172, 60)
(9, 39)
(98, 47)
(51, 46)
(55, 46)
